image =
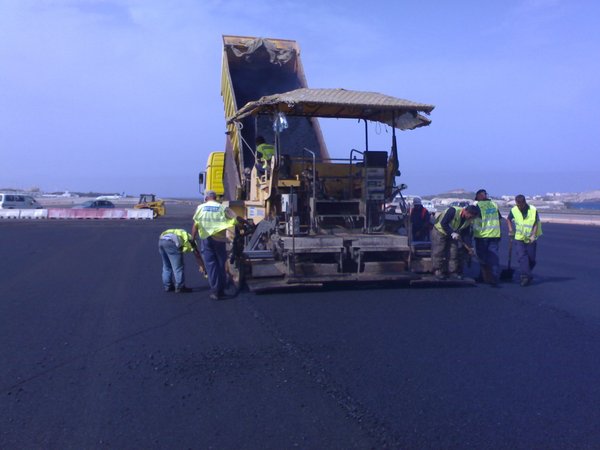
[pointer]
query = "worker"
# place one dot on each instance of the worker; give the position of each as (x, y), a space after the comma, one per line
(211, 221)
(264, 153)
(452, 228)
(172, 244)
(486, 231)
(420, 221)
(525, 226)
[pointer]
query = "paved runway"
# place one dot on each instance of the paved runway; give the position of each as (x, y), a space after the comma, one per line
(95, 355)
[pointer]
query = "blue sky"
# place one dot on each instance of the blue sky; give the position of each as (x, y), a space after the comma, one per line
(125, 95)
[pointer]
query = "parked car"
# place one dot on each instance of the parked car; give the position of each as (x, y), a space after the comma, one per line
(95, 204)
(429, 205)
(396, 206)
(461, 203)
(17, 201)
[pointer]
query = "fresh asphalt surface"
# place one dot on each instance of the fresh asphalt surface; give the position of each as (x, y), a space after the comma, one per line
(94, 355)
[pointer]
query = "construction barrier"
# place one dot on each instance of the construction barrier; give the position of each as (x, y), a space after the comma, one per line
(10, 213)
(98, 213)
(33, 214)
(76, 213)
(140, 214)
(59, 213)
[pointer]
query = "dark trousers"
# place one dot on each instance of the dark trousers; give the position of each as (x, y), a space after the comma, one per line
(214, 254)
(487, 253)
(446, 255)
(525, 256)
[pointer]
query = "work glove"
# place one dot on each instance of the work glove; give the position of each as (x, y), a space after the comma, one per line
(455, 236)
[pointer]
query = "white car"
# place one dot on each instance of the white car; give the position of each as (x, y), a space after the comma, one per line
(428, 204)
(18, 201)
(394, 206)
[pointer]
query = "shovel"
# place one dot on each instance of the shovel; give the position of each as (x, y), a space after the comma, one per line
(486, 272)
(507, 274)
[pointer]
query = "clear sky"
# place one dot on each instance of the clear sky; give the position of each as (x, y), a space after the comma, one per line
(124, 95)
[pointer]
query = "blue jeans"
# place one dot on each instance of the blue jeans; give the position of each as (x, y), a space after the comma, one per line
(214, 254)
(487, 253)
(172, 260)
(525, 256)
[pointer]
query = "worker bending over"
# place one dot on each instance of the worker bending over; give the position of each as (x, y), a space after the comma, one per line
(451, 228)
(211, 221)
(524, 224)
(172, 244)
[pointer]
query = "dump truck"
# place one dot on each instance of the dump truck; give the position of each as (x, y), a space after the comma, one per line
(311, 219)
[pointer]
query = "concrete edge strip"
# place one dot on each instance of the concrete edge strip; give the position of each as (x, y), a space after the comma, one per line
(572, 221)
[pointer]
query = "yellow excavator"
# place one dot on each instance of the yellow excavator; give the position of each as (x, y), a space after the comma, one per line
(149, 201)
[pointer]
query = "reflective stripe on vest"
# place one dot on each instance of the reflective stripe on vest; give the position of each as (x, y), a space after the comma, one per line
(489, 224)
(455, 224)
(523, 226)
(185, 239)
(210, 218)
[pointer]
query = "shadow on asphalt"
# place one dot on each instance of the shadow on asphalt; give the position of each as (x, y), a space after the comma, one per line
(346, 287)
(545, 280)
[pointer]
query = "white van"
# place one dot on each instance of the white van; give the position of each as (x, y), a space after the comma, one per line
(18, 201)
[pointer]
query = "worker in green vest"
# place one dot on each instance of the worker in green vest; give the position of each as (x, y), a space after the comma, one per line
(264, 153)
(486, 231)
(524, 224)
(451, 229)
(172, 244)
(211, 222)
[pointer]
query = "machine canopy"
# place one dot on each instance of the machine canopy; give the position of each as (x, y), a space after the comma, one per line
(340, 103)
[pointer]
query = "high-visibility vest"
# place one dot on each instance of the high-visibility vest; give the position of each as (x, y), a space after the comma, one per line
(266, 153)
(489, 224)
(455, 224)
(184, 238)
(210, 218)
(523, 226)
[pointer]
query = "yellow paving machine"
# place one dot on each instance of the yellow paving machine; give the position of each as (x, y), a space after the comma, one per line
(312, 219)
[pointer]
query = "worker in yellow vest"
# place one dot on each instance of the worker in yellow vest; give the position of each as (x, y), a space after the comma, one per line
(486, 231)
(524, 224)
(451, 229)
(211, 221)
(264, 153)
(172, 244)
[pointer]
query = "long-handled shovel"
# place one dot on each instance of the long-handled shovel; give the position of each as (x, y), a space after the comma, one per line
(486, 272)
(507, 274)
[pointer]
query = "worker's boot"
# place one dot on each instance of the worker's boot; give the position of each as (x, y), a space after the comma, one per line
(525, 280)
